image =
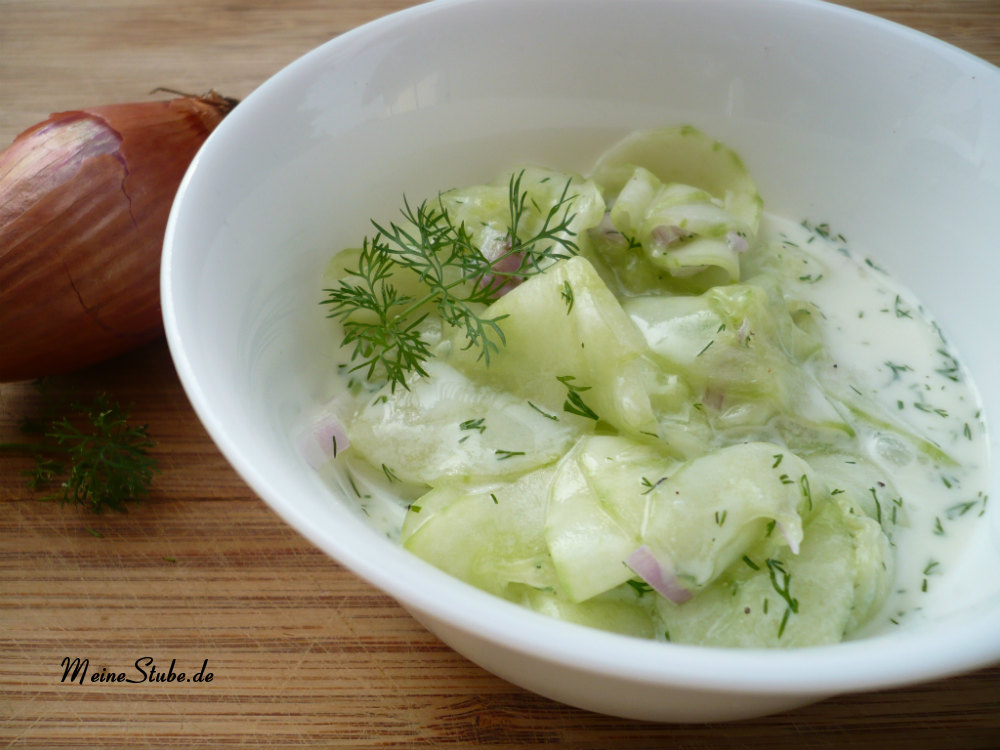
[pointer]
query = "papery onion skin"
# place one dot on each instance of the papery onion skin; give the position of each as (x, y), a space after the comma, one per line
(84, 200)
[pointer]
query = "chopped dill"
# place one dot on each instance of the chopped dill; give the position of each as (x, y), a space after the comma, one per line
(457, 279)
(96, 459)
(574, 403)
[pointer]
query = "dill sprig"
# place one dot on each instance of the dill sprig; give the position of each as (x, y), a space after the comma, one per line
(781, 581)
(457, 281)
(98, 459)
(574, 401)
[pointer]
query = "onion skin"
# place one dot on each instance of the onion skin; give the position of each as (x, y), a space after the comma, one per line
(84, 200)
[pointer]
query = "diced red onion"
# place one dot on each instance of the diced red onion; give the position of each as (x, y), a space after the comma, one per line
(744, 330)
(713, 399)
(643, 561)
(323, 440)
(737, 242)
(496, 249)
(668, 235)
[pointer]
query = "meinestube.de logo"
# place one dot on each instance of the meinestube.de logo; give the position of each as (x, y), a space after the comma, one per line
(143, 670)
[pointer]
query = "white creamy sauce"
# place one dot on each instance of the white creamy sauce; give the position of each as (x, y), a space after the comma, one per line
(381, 501)
(884, 345)
(887, 346)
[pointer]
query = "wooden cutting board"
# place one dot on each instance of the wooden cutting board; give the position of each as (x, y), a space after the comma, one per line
(203, 578)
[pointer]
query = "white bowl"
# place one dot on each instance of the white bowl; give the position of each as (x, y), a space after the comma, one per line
(887, 134)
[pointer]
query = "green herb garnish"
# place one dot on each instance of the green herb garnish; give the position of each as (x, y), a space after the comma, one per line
(474, 424)
(649, 485)
(97, 458)
(781, 581)
(457, 280)
(574, 401)
(640, 587)
(567, 295)
(542, 411)
(503, 454)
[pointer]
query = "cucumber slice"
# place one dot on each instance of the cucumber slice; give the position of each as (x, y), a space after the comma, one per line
(610, 496)
(588, 542)
(445, 427)
(489, 535)
(680, 228)
(839, 579)
(684, 155)
(485, 210)
(620, 610)
(712, 509)
(740, 348)
(570, 349)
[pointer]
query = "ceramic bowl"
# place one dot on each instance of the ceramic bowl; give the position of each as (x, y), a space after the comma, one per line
(887, 134)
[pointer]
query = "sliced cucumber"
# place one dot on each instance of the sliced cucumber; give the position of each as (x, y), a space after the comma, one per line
(445, 427)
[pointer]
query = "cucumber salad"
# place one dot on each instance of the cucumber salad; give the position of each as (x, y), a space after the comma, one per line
(634, 400)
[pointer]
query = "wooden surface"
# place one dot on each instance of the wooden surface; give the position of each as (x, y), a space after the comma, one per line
(302, 653)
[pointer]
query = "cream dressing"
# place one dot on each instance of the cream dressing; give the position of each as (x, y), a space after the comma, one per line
(887, 346)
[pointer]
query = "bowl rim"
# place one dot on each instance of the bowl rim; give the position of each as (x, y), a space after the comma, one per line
(871, 663)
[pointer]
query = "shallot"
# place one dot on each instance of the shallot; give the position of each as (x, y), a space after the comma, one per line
(326, 435)
(84, 200)
(644, 562)
(496, 248)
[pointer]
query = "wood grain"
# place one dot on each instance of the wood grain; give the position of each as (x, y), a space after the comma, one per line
(302, 653)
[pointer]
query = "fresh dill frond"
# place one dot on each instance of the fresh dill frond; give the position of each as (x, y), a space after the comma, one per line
(97, 458)
(456, 279)
(574, 403)
(781, 582)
